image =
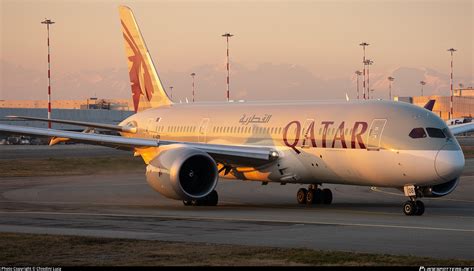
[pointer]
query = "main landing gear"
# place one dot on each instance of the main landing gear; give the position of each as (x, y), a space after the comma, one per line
(413, 206)
(314, 195)
(209, 200)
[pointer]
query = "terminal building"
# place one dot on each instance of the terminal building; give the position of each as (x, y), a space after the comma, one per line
(463, 103)
(90, 110)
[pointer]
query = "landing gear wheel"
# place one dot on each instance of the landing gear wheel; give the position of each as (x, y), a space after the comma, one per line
(327, 196)
(410, 208)
(301, 195)
(187, 202)
(310, 196)
(420, 206)
(318, 196)
(212, 198)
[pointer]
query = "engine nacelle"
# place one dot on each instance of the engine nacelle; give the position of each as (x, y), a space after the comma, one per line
(182, 172)
(439, 190)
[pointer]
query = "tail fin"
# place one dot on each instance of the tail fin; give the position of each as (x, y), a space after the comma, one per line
(429, 105)
(147, 90)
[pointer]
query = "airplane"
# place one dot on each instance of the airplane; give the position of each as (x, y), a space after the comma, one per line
(187, 147)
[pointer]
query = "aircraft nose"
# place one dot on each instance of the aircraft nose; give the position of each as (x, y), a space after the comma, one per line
(449, 163)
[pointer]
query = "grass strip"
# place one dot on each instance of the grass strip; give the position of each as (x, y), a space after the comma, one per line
(59, 250)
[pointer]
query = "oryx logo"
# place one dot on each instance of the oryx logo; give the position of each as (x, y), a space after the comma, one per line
(140, 77)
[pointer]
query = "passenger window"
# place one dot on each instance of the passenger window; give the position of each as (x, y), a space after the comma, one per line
(435, 132)
(417, 133)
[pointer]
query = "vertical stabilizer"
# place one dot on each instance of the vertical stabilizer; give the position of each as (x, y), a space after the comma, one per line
(147, 90)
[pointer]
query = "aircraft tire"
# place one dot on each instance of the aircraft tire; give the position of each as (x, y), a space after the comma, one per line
(327, 196)
(212, 199)
(301, 195)
(420, 207)
(410, 208)
(318, 196)
(310, 196)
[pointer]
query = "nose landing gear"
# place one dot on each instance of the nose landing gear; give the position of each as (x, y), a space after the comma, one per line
(314, 195)
(413, 207)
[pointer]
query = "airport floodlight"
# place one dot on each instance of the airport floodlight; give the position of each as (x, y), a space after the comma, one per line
(227, 36)
(358, 73)
(451, 50)
(47, 22)
(422, 83)
(367, 63)
(390, 80)
(364, 44)
(192, 75)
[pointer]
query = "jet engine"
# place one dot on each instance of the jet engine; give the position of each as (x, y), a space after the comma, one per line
(183, 173)
(439, 190)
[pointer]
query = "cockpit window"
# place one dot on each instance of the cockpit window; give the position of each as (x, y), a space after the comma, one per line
(435, 132)
(448, 133)
(417, 133)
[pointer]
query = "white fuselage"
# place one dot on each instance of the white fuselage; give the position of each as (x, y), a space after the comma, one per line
(361, 143)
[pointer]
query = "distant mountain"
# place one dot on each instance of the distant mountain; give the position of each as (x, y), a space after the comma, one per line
(265, 81)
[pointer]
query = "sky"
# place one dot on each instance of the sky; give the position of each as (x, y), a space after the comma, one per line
(281, 50)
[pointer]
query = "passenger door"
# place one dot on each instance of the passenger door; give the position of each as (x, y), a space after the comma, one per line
(203, 130)
(375, 134)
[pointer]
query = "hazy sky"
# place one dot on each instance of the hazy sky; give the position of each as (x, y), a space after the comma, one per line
(278, 46)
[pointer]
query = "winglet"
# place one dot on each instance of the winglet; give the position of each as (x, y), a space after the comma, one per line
(147, 90)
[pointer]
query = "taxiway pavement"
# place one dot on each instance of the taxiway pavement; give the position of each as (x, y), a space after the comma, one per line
(360, 219)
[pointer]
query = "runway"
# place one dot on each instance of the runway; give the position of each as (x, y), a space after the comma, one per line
(360, 219)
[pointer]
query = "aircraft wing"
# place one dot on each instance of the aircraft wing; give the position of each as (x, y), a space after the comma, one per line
(81, 123)
(227, 154)
(89, 138)
(461, 128)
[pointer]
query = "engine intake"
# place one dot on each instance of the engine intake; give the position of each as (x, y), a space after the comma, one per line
(439, 190)
(181, 172)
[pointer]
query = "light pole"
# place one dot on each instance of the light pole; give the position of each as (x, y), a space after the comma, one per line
(364, 44)
(368, 62)
(48, 22)
(390, 80)
(171, 92)
(451, 50)
(358, 73)
(227, 36)
(422, 83)
(372, 90)
(192, 75)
